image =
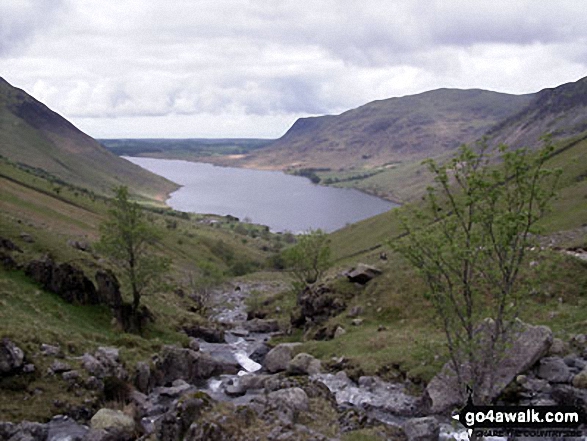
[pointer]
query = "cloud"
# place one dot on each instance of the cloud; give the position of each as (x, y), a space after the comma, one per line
(22, 20)
(254, 60)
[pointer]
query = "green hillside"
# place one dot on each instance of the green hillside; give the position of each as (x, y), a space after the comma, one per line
(33, 135)
(389, 131)
(569, 209)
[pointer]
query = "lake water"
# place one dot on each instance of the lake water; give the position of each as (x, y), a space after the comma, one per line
(282, 202)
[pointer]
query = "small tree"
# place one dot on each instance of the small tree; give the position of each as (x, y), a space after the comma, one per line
(468, 242)
(308, 259)
(127, 239)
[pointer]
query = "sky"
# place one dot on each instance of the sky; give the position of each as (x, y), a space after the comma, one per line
(250, 68)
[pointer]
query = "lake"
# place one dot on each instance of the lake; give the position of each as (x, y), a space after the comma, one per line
(280, 201)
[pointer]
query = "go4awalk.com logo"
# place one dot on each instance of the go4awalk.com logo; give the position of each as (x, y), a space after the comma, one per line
(522, 421)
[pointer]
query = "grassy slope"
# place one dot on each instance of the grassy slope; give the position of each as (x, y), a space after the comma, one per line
(32, 134)
(412, 340)
(29, 204)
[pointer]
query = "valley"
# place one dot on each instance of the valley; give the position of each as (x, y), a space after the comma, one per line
(358, 354)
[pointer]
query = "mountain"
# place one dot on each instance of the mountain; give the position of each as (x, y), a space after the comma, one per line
(561, 111)
(389, 131)
(33, 135)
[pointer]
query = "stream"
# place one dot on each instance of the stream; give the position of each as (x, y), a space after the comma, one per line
(386, 402)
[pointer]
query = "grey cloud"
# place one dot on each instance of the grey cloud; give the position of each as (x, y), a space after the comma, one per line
(22, 21)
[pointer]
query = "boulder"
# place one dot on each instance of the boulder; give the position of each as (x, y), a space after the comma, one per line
(112, 419)
(527, 345)
(362, 274)
(566, 395)
(26, 237)
(185, 364)
(11, 357)
(340, 331)
(355, 312)
(210, 335)
(293, 397)
(304, 364)
(317, 304)
(25, 431)
(422, 429)
(108, 288)
(51, 351)
(261, 325)
(105, 362)
(558, 347)
(143, 378)
(80, 245)
(580, 380)
(59, 367)
(554, 370)
(64, 428)
(278, 357)
(259, 353)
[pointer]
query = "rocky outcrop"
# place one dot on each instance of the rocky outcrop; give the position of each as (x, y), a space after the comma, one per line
(115, 421)
(210, 335)
(362, 274)
(304, 364)
(108, 288)
(185, 364)
(278, 358)
(527, 345)
(11, 358)
(65, 280)
(316, 305)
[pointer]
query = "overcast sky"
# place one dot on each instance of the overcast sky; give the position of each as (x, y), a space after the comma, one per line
(250, 68)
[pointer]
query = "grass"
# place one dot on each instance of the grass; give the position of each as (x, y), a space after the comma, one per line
(31, 316)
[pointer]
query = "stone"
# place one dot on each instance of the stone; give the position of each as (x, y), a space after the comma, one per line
(558, 347)
(58, 367)
(339, 332)
(70, 376)
(293, 397)
(278, 357)
(528, 345)
(304, 364)
(27, 431)
(261, 325)
(567, 395)
(357, 322)
(62, 428)
(181, 363)
(108, 288)
(422, 429)
(28, 368)
(355, 311)
(51, 351)
(143, 381)
(194, 344)
(210, 335)
(580, 380)
(317, 304)
(26, 237)
(80, 245)
(554, 370)
(259, 353)
(11, 357)
(362, 274)
(109, 418)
